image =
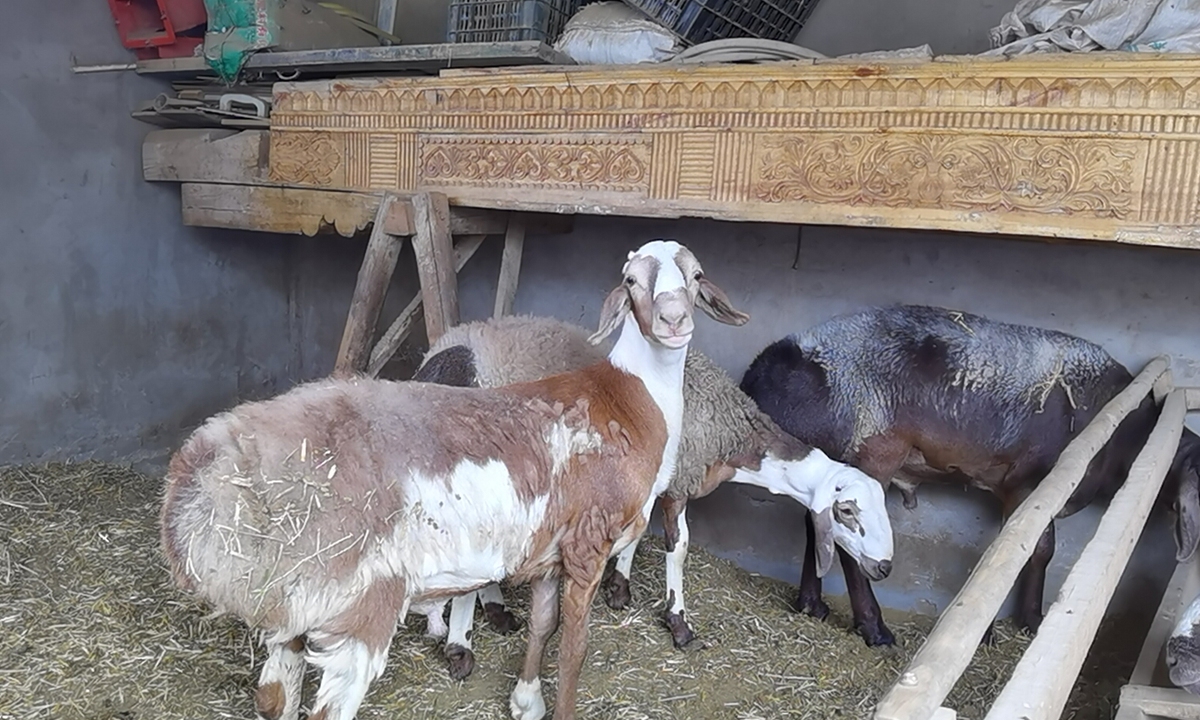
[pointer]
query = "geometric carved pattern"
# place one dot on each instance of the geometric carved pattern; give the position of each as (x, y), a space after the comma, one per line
(1080, 147)
(620, 165)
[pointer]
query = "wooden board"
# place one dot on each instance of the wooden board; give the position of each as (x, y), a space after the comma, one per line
(300, 211)
(1152, 703)
(1104, 148)
(390, 59)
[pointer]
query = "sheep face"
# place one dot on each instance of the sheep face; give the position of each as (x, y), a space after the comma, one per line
(1187, 508)
(1183, 650)
(853, 515)
(663, 282)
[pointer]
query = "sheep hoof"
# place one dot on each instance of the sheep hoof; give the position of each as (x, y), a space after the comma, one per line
(501, 620)
(460, 659)
(813, 607)
(618, 591)
(877, 636)
(681, 633)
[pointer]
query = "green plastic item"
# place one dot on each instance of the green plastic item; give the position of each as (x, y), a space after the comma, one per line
(237, 29)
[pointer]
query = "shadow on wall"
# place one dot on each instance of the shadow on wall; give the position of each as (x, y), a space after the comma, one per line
(1136, 302)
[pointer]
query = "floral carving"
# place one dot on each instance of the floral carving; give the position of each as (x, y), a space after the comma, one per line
(304, 158)
(609, 166)
(1033, 174)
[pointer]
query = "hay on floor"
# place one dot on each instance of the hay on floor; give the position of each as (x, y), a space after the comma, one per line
(90, 627)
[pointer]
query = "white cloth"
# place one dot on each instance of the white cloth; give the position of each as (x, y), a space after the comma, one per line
(1094, 25)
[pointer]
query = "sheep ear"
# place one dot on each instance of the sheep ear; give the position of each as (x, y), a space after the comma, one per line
(1187, 522)
(715, 303)
(823, 538)
(616, 307)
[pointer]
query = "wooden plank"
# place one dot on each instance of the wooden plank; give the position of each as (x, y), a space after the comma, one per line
(435, 262)
(510, 266)
(398, 331)
(208, 155)
(1049, 667)
(370, 290)
(1193, 398)
(413, 58)
(948, 649)
(944, 713)
(303, 211)
(1155, 702)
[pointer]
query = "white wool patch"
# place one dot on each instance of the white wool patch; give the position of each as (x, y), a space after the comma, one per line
(566, 442)
(462, 618)
(459, 532)
(348, 668)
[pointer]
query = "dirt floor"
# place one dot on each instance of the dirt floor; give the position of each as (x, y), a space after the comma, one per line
(91, 628)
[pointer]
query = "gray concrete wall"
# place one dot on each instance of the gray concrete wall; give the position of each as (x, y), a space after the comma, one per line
(1136, 302)
(119, 328)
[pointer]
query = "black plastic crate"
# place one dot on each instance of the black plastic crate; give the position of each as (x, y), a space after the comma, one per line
(473, 21)
(697, 21)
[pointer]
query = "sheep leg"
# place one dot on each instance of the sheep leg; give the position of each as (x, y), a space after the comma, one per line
(526, 702)
(1032, 582)
(618, 582)
(496, 611)
(435, 624)
(584, 572)
(281, 681)
(348, 666)
(675, 529)
(809, 600)
(868, 618)
(458, 652)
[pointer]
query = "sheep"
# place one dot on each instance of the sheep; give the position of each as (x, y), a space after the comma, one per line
(322, 516)
(915, 393)
(1183, 649)
(725, 437)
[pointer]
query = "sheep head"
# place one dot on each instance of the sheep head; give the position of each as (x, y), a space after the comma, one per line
(662, 284)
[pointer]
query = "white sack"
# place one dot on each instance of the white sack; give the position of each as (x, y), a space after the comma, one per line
(612, 33)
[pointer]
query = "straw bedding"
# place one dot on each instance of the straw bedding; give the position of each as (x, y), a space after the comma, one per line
(91, 628)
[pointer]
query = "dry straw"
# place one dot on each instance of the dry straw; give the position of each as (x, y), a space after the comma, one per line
(91, 628)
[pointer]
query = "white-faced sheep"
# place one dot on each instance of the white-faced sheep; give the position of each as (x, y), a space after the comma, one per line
(725, 437)
(912, 394)
(322, 516)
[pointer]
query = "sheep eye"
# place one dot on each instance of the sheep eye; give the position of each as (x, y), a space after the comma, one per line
(630, 281)
(698, 275)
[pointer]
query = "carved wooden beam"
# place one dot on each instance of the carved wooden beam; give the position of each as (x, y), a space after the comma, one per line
(1093, 147)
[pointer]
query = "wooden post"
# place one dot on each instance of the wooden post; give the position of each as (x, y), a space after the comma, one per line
(435, 262)
(1048, 668)
(398, 331)
(931, 674)
(374, 276)
(1151, 668)
(385, 16)
(510, 265)
(1153, 703)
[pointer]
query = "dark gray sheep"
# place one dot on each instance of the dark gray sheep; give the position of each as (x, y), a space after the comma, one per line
(913, 393)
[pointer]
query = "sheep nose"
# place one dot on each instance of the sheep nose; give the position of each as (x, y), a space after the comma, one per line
(672, 318)
(885, 569)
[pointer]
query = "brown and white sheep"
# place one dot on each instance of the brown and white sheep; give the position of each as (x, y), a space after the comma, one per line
(725, 437)
(320, 517)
